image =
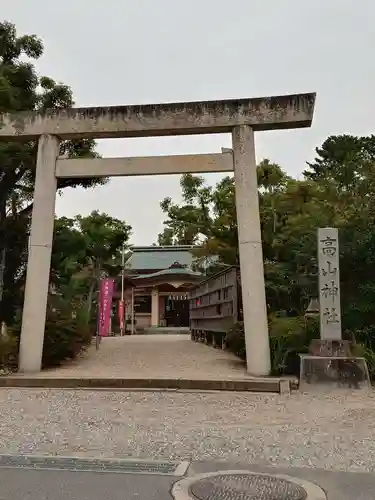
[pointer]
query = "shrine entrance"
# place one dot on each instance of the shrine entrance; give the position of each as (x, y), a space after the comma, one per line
(239, 117)
(177, 311)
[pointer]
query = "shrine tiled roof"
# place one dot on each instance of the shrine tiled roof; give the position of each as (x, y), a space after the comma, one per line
(159, 258)
(172, 271)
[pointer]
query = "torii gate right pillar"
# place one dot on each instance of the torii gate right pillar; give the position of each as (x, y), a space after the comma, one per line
(250, 252)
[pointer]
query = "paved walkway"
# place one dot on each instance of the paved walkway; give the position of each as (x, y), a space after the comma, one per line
(152, 356)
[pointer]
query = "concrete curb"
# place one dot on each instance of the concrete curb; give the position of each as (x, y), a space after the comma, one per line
(273, 385)
(180, 489)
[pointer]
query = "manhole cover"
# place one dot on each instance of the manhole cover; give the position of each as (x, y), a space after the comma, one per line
(246, 487)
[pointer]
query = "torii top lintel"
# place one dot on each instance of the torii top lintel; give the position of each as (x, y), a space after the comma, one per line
(184, 118)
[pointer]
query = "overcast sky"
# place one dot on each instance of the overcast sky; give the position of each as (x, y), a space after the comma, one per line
(149, 51)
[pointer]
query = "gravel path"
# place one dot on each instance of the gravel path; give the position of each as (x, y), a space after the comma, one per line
(152, 356)
(335, 431)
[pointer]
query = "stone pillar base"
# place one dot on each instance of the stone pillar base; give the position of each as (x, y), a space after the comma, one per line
(329, 372)
(336, 348)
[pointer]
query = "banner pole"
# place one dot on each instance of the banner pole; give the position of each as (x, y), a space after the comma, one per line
(97, 340)
(122, 286)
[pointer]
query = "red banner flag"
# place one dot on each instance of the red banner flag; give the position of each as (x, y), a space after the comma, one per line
(105, 305)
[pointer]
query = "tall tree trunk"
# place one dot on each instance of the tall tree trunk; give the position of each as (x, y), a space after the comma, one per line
(90, 299)
(3, 250)
(3, 254)
(94, 287)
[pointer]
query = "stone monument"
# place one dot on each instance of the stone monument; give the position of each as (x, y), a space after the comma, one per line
(329, 284)
(331, 359)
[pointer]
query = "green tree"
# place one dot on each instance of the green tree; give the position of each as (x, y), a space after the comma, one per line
(188, 222)
(344, 162)
(338, 190)
(208, 214)
(344, 169)
(22, 89)
(86, 248)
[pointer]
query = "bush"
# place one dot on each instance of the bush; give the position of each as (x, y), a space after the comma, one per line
(8, 353)
(289, 336)
(365, 347)
(236, 340)
(65, 338)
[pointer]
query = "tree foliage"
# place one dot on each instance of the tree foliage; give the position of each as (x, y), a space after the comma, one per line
(337, 189)
(84, 249)
(84, 241)
(22, 89)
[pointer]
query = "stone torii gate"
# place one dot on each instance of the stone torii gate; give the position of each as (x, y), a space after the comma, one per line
(240, 117)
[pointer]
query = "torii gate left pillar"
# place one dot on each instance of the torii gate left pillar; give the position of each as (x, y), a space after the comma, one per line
(39, 260)
(240, 117)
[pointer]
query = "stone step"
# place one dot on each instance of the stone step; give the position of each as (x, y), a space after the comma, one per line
(253, 384)
(165, 330)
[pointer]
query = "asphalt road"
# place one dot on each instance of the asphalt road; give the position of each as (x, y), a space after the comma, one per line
(25, 484)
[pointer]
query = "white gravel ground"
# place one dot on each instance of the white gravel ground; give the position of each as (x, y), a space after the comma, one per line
(332, 431)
